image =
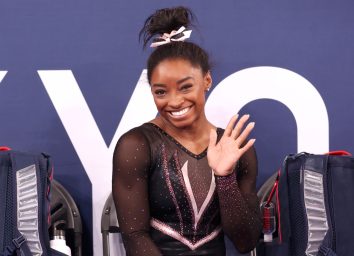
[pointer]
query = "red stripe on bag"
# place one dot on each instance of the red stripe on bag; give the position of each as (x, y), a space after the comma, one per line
(338, 153)
(278, 210)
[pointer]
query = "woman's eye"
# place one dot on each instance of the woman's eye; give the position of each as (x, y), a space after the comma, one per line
(160, 92)
(186, 87)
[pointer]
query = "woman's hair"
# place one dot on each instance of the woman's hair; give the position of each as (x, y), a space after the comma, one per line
(165, 21)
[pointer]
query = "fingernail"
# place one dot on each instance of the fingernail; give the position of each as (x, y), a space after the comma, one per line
(252, 123)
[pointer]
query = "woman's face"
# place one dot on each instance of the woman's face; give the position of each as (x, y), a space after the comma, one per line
(179, 89)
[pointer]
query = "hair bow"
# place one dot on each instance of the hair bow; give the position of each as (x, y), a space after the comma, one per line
(176, 35)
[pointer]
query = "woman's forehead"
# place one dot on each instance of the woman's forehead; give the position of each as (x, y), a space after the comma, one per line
(176, 68)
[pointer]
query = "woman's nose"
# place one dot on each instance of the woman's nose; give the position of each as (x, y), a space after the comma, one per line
(176, 100)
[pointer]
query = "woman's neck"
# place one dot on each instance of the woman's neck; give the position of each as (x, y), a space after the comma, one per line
(195, 137)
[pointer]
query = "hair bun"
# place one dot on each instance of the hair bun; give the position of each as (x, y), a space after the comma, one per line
(164, 21)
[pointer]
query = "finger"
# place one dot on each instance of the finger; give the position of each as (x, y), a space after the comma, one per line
(212, 138)
(237, 129)
(245, 133)
(230, 126)
(248, 145)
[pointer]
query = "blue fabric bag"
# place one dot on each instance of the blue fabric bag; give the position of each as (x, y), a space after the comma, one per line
(24, 204)
(315, 206)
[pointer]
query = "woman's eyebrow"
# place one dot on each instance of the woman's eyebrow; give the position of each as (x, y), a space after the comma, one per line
(159, 85)
(178, 82)
(184, 79)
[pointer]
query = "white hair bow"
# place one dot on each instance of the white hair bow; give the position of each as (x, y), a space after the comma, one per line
(176, 35)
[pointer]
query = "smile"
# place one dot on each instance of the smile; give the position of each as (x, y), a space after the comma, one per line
(181, 112)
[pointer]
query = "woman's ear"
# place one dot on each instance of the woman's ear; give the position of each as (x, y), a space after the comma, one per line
(207, 81)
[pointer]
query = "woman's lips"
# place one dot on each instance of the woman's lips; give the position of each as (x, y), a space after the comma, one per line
(179, 113)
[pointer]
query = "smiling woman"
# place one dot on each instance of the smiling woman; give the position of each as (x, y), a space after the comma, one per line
(179, 90)
(179, 182)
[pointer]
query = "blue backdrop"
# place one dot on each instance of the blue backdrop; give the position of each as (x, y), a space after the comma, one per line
(97, 43)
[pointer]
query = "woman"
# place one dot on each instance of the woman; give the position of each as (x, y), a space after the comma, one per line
(180, 183)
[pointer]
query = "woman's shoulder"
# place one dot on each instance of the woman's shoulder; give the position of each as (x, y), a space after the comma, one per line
(138, 134)
(142, 139)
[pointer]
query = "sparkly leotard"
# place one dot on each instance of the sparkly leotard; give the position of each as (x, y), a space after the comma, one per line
(169, 202)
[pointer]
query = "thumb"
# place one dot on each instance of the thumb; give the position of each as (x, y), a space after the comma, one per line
(212, 138)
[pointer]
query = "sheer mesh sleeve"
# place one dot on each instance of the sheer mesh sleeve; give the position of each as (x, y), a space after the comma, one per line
(239, 206)
(131, 161)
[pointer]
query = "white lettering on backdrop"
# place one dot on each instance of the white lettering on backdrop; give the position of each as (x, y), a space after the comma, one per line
(85, 136)
(285, 86)
(229, 96)
(2, 75)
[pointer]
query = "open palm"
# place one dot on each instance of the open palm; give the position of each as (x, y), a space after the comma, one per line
(223, 156)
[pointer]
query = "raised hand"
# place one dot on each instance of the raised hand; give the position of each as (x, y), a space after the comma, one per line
(223, 156)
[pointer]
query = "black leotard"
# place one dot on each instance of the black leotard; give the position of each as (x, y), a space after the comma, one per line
(169, 201)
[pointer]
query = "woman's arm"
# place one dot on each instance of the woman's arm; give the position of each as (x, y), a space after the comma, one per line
(239, 206)
(131, 162)
(234, 162)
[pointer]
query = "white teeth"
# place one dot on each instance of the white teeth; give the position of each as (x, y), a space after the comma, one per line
(179, 113)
